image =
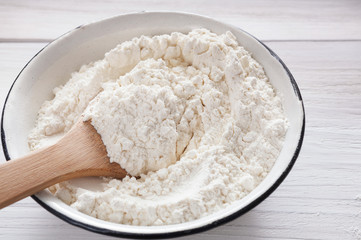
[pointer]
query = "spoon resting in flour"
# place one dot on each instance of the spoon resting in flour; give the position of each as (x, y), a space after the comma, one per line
(80, 153)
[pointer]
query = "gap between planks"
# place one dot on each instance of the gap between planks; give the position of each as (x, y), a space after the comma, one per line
(40, 40)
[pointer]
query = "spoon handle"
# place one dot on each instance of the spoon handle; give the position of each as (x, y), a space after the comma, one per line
(25, 176)
(80, 153)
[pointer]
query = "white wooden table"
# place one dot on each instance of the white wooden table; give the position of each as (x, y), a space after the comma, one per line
(320, 41)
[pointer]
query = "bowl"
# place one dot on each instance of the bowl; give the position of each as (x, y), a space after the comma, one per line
(53, 65)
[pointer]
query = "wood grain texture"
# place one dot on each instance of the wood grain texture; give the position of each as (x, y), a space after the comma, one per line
(320, 199)
(34, 172)
(268, 20)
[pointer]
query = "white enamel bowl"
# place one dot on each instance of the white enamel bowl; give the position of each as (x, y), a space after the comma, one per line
(52, 66)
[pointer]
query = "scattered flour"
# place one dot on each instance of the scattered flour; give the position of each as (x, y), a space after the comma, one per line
(358, 197)
(194, 115)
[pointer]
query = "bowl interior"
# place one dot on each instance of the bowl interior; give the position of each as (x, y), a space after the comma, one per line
(54, 64)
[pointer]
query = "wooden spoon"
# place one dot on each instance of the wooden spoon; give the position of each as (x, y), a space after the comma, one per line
(80, 153)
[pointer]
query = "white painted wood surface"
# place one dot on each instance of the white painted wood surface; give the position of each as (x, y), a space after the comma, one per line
(320, 41)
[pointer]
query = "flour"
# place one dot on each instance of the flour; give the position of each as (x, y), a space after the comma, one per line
(194, 115)
(138, 125)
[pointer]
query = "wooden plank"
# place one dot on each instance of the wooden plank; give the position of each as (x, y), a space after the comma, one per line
(270, 20)
(13, 59)
(318, 200)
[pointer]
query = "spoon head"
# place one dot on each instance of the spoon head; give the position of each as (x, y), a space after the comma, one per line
(87, 152)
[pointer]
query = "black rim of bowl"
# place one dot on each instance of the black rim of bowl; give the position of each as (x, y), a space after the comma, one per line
(182, 232)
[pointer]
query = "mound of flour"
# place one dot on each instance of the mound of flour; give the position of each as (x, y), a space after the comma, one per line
(194, 115)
